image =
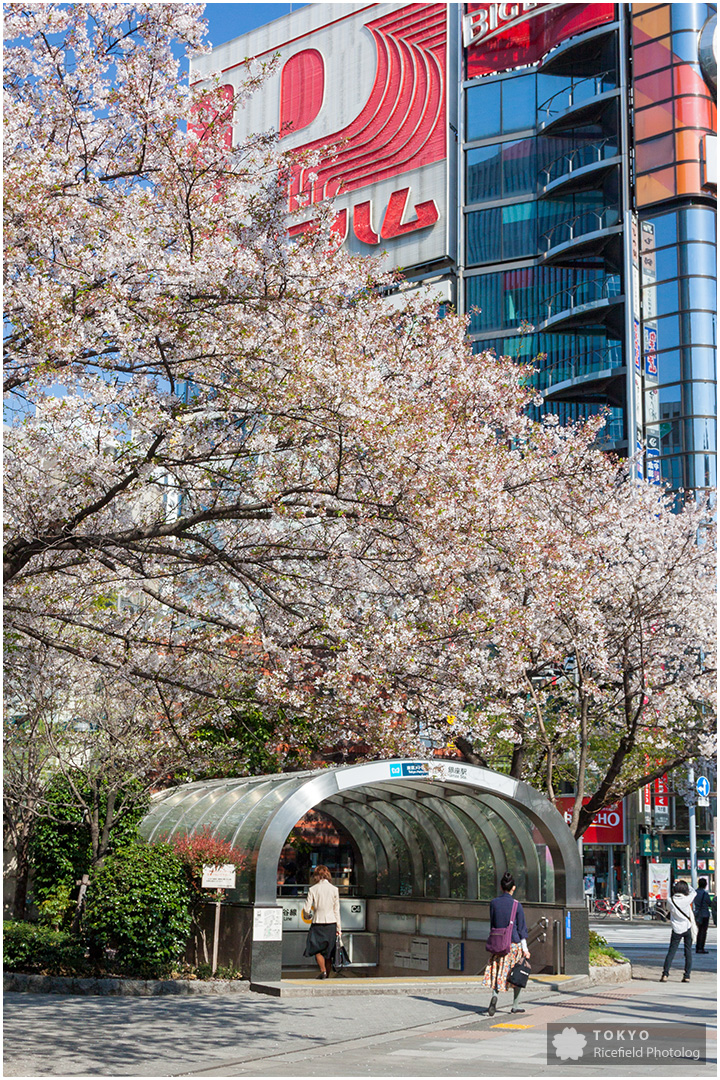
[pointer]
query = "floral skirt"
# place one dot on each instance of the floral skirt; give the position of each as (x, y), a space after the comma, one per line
(499, 968)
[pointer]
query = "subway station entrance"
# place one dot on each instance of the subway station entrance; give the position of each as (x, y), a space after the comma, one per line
(430, 842)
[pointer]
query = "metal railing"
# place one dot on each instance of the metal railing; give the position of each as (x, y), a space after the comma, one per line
(572, 160)
(613, 432)
(583, 292)
(576, 94)
(576, 367)
(579, 225)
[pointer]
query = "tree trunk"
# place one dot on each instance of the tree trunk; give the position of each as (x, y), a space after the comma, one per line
(469, 753)
(22, 874)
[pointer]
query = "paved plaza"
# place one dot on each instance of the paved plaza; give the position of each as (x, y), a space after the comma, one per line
(372, 1035)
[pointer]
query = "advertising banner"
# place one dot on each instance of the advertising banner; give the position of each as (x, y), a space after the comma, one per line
(502, 36)
(659, 880)
(608, 825)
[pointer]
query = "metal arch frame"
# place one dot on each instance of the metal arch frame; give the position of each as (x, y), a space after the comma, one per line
(384, 803)
(528, 801)
(175, 799)
(368, 821)
(383, 824)
(529, 853)
(417, 809)
(449, 815)
(300, 792)
(359, 831)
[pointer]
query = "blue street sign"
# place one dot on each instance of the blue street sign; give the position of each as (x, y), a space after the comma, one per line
(703, 786)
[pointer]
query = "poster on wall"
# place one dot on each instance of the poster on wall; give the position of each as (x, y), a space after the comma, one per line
(659, 881)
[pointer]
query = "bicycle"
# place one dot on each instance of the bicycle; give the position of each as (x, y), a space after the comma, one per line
(659, 911)
(604, 907)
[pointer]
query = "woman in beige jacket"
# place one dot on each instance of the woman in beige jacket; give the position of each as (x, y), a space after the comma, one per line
(323, 906)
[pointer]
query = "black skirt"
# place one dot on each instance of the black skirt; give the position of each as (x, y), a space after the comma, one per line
(321, 939)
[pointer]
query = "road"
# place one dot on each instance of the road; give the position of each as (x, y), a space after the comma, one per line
(369, 1036)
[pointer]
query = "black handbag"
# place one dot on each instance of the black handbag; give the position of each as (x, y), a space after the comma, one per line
(519, 974)
(340, 958)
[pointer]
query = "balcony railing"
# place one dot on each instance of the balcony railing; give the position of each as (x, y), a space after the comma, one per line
(583, 292)
(569, 162)
(613, 432)
(579, 366)
(573, 228)
(575, 95)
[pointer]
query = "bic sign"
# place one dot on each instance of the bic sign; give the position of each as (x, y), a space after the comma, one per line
(608, 825)
(426, 214)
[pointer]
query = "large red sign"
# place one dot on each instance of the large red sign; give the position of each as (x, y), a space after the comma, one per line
(402, 126)
(608, 826)
(503, 36)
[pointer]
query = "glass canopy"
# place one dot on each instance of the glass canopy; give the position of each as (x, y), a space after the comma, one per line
(419, 828)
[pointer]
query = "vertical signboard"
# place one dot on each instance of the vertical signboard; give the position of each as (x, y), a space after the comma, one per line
(662, 802)
(637, 348)
(646, 805)
(650, 343)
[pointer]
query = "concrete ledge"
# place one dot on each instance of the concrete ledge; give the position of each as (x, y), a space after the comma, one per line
(15, 982)
(604, 973)
(344, 986)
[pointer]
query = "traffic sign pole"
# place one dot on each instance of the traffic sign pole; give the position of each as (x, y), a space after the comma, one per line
(692, 830)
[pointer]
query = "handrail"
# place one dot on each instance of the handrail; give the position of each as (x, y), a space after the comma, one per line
(576, 159)
(583, 292)
(574, 367)
(579, 225)
(576, 94)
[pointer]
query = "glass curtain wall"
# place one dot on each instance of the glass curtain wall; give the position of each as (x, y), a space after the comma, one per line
(542, 161)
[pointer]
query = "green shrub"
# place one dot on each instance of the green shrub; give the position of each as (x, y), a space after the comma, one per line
(61, 851)
(31, 948)
(57, 908)
(138, 905)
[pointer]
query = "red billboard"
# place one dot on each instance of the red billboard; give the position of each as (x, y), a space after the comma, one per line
(499, 37)
(608, 826)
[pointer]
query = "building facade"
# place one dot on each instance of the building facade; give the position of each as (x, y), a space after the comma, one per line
(548, 168)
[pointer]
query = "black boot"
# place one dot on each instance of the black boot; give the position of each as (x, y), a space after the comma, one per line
(492, 1006)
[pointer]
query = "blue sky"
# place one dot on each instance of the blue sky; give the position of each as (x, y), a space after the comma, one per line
(227, 21)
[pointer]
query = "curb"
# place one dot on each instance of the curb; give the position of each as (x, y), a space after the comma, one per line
(409, 987)
(17, 983)
(603, 973)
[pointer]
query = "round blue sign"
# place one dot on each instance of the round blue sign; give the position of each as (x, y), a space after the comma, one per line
(703, 786)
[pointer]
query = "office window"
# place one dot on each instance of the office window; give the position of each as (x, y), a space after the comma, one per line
(484, 173)
(698, 292)
(518, 103)
(697, 259)
(483, 111)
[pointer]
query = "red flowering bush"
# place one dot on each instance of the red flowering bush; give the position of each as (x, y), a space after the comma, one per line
(204, 849)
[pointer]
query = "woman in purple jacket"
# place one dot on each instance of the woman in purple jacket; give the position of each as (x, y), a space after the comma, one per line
(501, 965)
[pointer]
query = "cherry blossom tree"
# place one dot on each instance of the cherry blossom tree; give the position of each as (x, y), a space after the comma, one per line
(220, 436)
(611, 664)
(231, 465)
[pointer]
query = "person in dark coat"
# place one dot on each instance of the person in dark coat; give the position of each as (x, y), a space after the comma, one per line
(701, 909)
(500, 966)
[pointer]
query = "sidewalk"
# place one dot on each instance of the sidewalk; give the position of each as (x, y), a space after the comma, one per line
(373, 1036)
